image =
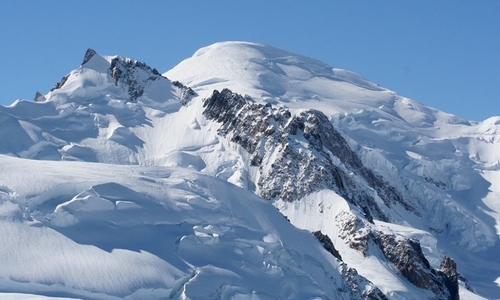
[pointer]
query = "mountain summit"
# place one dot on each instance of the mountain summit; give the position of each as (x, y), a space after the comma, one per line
(245, 172)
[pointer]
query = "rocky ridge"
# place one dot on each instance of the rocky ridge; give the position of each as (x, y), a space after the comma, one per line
(404, 253)
(132, 73)
(299, 154)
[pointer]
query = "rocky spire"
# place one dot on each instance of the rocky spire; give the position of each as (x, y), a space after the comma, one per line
(88, 55)
(449, 268)
(39, 97)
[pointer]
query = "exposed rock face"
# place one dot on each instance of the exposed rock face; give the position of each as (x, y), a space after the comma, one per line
(60, 83)
(133, 74)
(405, 254)
(39, 97)
(298, 155)
(449, 269)
(327, 243)
(88, 55)
(353, 282)
(186, 92)
(408, 258)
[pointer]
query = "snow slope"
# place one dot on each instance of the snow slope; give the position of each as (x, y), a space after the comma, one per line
(101, 198)
(99, 231)
(443, 165)
(119, 177)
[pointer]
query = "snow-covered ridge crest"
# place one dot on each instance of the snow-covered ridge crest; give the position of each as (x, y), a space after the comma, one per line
(250, 67)
(99, 73)
(94, 108)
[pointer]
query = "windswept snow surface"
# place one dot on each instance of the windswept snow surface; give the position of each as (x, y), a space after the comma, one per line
(111, 188)
(97, 231)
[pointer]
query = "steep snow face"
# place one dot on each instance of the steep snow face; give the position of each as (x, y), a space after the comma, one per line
(443, 165)
(90, 115)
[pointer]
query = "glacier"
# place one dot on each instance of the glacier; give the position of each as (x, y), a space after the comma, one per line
(122, 182)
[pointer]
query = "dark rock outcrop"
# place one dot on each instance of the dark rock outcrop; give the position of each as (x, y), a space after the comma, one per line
(353, 284)
(449, 269)
(186, 92)
(39, 97)
(327, 243)
(408, 258)
(133, 74)
(88, 55)
(298, 154)
(406, 255)
(60, 83)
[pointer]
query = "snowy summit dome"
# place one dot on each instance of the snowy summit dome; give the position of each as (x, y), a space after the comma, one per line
(260, 71)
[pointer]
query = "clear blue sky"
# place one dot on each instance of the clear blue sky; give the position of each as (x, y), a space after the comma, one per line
(442, 53)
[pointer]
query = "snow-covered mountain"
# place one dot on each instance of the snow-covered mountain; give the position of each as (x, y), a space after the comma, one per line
(125, 183)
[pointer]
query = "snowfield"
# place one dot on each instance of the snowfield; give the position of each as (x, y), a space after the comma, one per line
(116, 185)
(95, 231)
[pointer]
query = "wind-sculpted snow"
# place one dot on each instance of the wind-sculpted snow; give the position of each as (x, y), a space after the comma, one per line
(107, 232)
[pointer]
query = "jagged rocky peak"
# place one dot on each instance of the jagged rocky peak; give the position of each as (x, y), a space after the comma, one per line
(403, 253)
(298, 154)
(39, 97)
(448, 267)
(354, 283)
(134, 74)
(88, 55)
(137, 75)
(60, 84)
(406, 254)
